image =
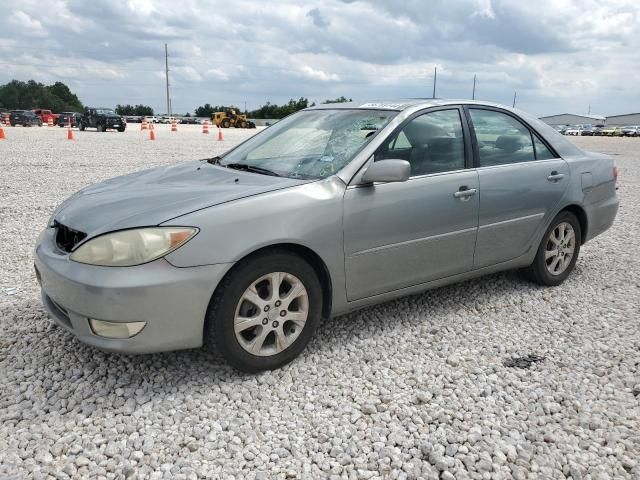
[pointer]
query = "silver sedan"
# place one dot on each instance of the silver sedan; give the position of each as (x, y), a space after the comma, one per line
(331, 209)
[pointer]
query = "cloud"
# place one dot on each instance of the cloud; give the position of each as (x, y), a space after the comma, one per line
(558, 55)
(318, 19)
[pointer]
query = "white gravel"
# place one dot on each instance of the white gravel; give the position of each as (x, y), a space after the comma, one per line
(414, 388)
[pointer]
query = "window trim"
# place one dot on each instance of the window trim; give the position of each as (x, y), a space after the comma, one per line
(532, 131)
(466, 136)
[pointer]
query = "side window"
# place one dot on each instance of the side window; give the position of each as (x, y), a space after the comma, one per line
(542, 152)
(431, 143)
(501, 138)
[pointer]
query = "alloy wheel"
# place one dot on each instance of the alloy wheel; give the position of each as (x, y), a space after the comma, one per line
(560, 248)
(271, 314)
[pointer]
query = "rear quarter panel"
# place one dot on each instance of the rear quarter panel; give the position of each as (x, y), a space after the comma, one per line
(593, 188)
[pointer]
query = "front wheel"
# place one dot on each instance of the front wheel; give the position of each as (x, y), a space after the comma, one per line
(264, 313)
(100, 128)
(81, 127)
(558, 251)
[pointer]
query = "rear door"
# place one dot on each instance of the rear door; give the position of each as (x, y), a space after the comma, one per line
(521, 183)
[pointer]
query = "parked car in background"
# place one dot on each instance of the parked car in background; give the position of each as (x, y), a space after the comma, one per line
(45, 115)
(189, 120)
(561, 129)
(63, 119)
(587, 131)
(102, 119)
(3, 114)
(630, 131)
(611, 131)
(152, 119)
(133, 118)
(331, 209)
(573, 130)
(597, 130)
(26, 118)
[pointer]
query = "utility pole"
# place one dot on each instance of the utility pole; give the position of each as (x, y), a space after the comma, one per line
(515, 94)
(589, 112)
(435, 79)
(473, 95)
(166, 71)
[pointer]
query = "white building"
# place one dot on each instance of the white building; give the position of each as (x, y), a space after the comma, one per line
(574, 119)
(622, 120)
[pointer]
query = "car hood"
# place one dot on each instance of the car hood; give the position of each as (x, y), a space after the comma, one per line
(154, 196)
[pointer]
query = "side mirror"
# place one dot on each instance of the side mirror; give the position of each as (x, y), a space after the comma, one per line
(387, 171)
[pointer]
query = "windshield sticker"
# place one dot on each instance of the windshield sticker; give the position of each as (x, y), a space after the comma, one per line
(393, 106)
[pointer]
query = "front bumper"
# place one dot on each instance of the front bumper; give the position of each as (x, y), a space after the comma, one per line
(172, 301)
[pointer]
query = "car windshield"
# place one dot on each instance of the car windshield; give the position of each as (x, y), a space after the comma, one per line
(105, 111)
(309, 144)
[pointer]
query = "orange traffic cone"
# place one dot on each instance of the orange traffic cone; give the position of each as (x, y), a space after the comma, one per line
(2, 137)
(50, 121)
(205, 126)
(144, 125)
(174, 126)
(69, 134)
(219, 134)
(152, 134)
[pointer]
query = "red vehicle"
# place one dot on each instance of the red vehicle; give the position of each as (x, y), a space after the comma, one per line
(46, 114)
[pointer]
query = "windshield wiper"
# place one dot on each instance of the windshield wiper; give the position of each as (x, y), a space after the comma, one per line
(252, 169)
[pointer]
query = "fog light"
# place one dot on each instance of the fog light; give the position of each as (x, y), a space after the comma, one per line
(115, 329)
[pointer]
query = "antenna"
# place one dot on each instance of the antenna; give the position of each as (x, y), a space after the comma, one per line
(515, 95)
(166, 71)
(473, 95)
(435, 79)
(589, 112)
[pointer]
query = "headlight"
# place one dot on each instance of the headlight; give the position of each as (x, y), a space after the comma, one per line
(132, 247)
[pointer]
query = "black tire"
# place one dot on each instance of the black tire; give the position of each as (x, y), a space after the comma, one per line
(226, 123)
(100, 128)
(538, 271)
(81, 127)
(219, 325)
(121, 129)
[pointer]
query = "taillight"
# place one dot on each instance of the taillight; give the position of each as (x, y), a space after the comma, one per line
(615, 174)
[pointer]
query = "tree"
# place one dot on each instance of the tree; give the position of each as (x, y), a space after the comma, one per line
(340, 99)
(29, 95)
(208, 110)
(270, 110)
(137, 110)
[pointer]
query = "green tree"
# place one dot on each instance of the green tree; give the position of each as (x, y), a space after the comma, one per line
(208, 110)
(138, 110)
(29, 95)
(269, 110)
(340, 99)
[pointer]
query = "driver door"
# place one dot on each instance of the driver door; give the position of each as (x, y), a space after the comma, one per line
(397, 235)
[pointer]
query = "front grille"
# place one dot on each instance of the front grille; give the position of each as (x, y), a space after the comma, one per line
(67, 238)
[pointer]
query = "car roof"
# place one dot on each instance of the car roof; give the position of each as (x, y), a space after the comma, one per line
(404, 103)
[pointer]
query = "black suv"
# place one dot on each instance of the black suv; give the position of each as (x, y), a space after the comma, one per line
(102, 119)
(26, 118)
(63, 119)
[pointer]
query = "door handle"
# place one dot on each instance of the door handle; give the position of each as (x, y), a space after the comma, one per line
(555, 176)
(465, 192)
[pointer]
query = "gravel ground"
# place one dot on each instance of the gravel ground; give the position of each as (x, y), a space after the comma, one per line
(422, 387)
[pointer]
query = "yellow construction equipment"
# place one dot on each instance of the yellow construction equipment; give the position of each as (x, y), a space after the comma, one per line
(232, 119)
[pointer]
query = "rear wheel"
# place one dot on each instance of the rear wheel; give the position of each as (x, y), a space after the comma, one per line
(81, 127)
(226, 123)
(558, 251)
(100, 127)
(265, 311)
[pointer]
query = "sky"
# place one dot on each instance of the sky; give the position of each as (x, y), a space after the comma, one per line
(560, 56)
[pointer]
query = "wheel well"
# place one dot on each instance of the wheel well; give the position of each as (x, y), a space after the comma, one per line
(582, 219)
(313, 259)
